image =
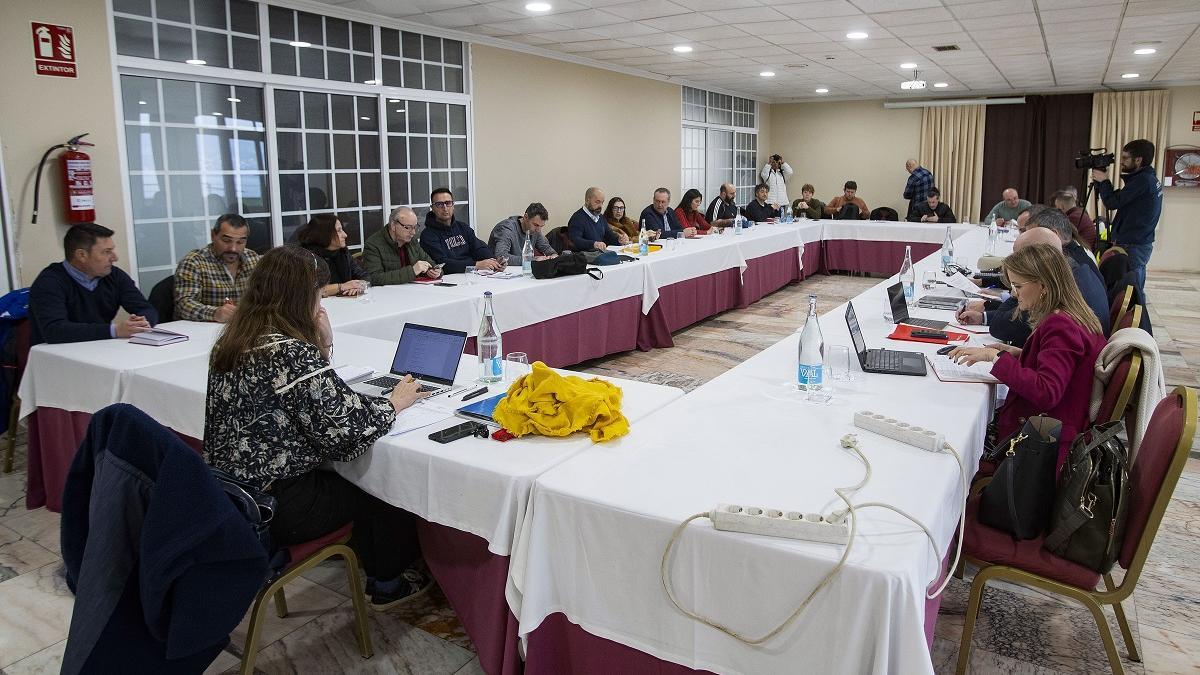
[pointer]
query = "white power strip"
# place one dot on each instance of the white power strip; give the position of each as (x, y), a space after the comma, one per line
(776, 523)
(925, 439)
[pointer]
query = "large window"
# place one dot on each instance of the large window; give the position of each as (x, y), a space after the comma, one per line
(310, 126)
(719, 143)
(195, 151)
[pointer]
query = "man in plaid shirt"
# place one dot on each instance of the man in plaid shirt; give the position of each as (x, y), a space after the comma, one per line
(209, 280)
(916, 191)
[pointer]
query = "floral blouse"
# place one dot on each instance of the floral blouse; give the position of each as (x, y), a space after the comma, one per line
(283, 412)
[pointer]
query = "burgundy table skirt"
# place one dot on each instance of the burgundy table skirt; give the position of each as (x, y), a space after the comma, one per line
(869, 257)
(682, 304)
(768, 274)
(588, 334)
(54, 437)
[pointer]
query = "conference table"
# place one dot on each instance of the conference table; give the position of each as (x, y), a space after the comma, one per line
(585, 578)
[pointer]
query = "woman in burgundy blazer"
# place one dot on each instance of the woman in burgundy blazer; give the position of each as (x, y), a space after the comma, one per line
(1052, 374)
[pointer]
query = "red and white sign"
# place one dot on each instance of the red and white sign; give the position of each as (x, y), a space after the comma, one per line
(1196, 121)
(54, 50)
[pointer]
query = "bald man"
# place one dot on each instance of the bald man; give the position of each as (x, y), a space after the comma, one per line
(916, 190)
(723, 208)
(1002, 318)
(587, 228)
(1010, 205)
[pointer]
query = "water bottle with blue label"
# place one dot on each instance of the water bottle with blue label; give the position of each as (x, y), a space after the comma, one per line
(527, 257)
(948, 250)
(810, 375)
(489, 345)
(908, 278)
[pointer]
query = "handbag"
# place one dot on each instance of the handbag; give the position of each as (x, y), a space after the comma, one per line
(564, 265)
(1087, 524)
(1019, 497)
(256, 506)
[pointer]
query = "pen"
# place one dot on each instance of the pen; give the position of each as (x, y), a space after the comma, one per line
(477, 392)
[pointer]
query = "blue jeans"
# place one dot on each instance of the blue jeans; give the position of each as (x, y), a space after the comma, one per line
(1139, 255)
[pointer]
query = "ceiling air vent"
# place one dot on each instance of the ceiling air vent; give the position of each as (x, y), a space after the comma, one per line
(945, 48)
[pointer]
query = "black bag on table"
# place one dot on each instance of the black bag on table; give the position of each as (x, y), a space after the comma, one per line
(1087, 525)
(564, 265)
(1020, 496)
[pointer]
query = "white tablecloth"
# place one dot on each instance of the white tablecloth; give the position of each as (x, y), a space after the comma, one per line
(390, 307)
(475, 485)
(886, 230)
(592, 544)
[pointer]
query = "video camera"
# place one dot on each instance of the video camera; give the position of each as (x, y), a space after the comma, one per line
(1095, 158)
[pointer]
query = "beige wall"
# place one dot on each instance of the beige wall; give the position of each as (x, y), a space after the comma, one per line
(545, 130)
(1177, 241)
(830, 143)
(38, 112)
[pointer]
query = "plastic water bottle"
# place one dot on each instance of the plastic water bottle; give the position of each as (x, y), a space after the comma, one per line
(489, 344)
(908, 278)
(527, 257)
(948, 250)
(810, 375)
(643, 240)
(993, 235)
(737, 224)
(787, 213)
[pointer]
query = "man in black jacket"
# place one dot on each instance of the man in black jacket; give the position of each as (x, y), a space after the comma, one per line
(1138, 204)
(931, 210)
(452, 242)
(77, 299)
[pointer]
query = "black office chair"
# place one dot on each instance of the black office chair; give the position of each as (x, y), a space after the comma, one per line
(162, 299)
(559, 240)
(885, 213)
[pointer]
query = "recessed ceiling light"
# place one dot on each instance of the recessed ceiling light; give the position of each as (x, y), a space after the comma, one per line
(767, 73)
(822, 90)
(538, 6)
(195, 62)
(300, 43)
(398, 110)
(141, 103)
(1142, 51)
(365, 118)
(941, 85)
(234, 99)
(683, 49)
(856, 35)
(1129, 76)
(908, 66)
(370, 81)
(217, 114)
(393, 100)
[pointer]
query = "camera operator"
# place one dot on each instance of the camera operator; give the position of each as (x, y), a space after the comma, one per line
(1138, 204)
(775, 176)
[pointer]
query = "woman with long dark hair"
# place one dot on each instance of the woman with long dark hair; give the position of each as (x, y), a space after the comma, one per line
(324, 237)
(689, 212)
(276, 411)
(619, 221)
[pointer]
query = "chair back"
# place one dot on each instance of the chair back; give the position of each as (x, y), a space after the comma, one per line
(1160, 459)
(1119, 391)
(22, 337)
(1131, 318)
(1120, 302)
(559, 240)
(885, 213)
(162, 299)
(1110, 252)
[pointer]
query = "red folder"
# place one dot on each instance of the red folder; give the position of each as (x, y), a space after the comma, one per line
(904, 332)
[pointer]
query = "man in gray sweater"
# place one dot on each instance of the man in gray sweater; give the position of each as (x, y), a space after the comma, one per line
(508, 236)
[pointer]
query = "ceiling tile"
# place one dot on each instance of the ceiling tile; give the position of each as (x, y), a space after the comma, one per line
(647, 9)
(912, 16)
(680, 22)
(709, 33)
(624, 30)
(1050, 16)
(469, 16)
(871, 6)
(588, 18)
(979, 10)
(709, 5)
(746, 15)
(819, 10)
(841, 24)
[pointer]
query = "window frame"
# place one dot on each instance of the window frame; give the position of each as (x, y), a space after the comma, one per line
(702, 100)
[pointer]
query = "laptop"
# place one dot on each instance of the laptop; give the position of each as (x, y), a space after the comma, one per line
(886, 361)
(431, 355)
(900, 310)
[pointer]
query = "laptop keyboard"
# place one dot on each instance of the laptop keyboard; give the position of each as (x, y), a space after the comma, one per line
(387, 382)
(881, 359)
(926, 323)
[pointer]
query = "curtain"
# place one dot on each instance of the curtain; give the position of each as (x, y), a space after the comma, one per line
(952, 148)
(1032, 147)
(1122, 116)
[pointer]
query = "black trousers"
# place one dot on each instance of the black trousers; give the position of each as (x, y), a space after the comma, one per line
(319, 502)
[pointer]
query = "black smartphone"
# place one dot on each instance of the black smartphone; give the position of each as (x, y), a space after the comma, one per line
(944, 351)
(937, 334)
(456, 432)
(443, 283)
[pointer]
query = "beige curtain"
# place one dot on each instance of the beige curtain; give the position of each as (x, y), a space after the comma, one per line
(1122, 116)
(952, 148)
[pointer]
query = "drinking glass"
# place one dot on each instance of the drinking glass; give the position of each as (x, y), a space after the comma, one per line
(365, 295)
(887, 309)
(928, 280)
(962, 263)
(837, 363)
(516, 364)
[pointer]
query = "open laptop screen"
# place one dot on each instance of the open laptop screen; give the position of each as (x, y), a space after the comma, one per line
(897, 301)
(429, 353)
(860, 345)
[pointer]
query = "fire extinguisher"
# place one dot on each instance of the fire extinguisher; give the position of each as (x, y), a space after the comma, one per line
(76, 174)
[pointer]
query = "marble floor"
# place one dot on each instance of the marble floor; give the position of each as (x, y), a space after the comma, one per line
(1019, 630)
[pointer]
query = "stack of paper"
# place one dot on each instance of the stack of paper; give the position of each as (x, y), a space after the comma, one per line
(353, 374)
(948, 371)
(157, 337)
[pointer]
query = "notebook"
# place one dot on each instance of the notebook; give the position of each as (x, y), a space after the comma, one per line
(481, 411)
(947, 370)
(904, 332)
(157, 337)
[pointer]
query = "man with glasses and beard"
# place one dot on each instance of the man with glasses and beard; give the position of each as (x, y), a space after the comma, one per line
(452, 242)
(392, 255)
(1138, 204)
(209, 280)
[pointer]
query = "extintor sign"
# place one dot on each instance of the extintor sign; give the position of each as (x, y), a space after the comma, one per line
(53, 50)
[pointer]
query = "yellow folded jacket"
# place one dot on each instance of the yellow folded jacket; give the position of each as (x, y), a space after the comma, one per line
(546, 403)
